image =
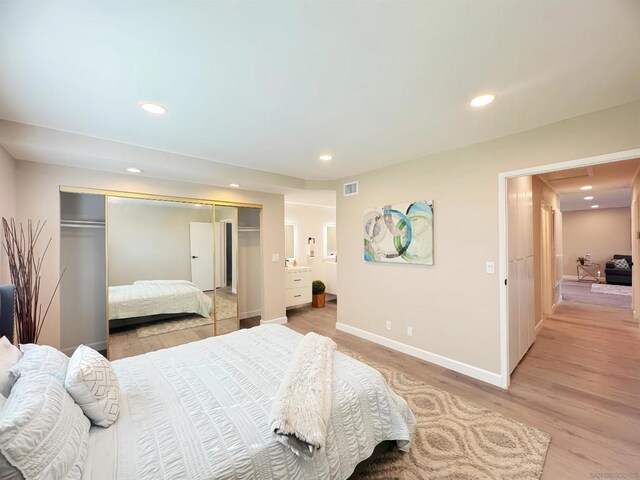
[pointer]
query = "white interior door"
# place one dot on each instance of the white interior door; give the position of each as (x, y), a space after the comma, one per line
(201, 241)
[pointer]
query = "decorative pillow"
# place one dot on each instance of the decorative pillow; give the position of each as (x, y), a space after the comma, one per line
(9, 356)
(43, 433)
(94, 386)
(41, 358)
(621, 263)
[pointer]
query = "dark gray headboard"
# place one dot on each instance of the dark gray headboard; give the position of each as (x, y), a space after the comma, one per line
(7, 301)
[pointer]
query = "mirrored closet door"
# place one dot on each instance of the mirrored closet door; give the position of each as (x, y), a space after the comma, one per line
(166, 271)
(226, 274)
(161, 279)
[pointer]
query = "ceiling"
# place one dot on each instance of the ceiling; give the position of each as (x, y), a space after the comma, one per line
(270, 85)
(618, 198)
(319, 198)
(610, 182)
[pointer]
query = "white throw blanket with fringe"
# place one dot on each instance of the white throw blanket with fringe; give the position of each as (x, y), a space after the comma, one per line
(302, 407)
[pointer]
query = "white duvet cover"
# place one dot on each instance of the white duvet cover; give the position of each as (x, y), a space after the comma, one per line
(156, 297)
(199, 411)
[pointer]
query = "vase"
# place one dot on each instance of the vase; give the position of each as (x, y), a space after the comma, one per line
(318, 300)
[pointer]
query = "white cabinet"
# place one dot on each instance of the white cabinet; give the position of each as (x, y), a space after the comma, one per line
(520, 285)
(298, 286)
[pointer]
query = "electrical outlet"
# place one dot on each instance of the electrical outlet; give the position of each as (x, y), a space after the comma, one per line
(388, 325)
(490, 268)
(409, 331)
(275, 257)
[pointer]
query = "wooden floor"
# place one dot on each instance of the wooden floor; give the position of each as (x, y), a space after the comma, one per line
(126, 343)
(580, 382)
(580, 292)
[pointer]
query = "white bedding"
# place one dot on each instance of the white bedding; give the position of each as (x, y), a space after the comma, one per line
(199, 411)
(156, 297)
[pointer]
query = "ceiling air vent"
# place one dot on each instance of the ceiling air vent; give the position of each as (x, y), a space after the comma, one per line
(350, 189)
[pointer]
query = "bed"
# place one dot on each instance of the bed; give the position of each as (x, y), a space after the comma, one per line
(199, 411)
(149, 300)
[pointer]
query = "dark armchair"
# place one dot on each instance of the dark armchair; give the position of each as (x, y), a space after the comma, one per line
(619, 276)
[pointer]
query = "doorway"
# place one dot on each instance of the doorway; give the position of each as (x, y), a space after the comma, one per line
(518, 297)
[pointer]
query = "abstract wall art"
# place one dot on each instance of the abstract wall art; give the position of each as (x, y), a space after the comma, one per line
(400, 233)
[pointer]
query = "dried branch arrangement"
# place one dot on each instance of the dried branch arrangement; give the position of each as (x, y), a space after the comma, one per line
(25, 268)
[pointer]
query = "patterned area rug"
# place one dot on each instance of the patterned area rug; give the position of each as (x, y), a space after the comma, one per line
(611, 289)
(226, 309)
(456, 439)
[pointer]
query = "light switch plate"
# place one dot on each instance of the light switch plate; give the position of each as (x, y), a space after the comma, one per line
(490, 268)
(275, 258)
(409, 331)
(388, 325)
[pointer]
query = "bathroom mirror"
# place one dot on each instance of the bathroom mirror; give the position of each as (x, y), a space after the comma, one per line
(330, 244)
(289, 241)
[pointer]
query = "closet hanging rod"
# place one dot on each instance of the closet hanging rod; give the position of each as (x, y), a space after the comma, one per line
(82, 224)
(248, 229)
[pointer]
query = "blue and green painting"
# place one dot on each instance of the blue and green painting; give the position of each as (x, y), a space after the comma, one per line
(401, 233)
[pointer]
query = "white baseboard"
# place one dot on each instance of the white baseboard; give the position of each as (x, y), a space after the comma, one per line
(539, 325)
(96, 346)
(279, 321)
(252, 313)
(455, 365)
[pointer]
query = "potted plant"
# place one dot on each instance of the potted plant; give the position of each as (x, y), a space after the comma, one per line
(581, 260)
(318, 289)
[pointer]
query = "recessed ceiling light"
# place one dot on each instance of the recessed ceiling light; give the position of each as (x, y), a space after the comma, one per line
(198, 205)
(326, 157)
(586, 187)
(595, 206)
(590, 197)
(482, 100)
(234, 185)
(153, 108)
(134, 170)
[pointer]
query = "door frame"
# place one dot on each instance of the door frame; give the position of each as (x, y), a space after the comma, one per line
(547, 260)
(505, 376)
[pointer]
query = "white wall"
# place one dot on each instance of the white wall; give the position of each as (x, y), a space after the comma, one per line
(310, 221)
(38, 197)
(7, 204)
(150, 240)
(601, 232)
(453, 306)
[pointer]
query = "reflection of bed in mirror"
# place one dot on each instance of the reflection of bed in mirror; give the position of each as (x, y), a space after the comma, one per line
(148, 301)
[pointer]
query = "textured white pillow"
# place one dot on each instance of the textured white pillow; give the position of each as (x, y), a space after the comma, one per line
(41, 359)
(94, 386)
(43, 433)
(9, 356)
(621, 263)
